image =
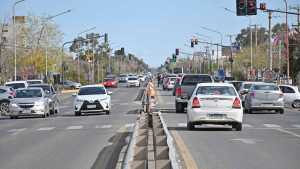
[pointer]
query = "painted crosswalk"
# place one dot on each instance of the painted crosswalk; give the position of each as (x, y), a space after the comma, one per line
(74, 127)
(272, 125)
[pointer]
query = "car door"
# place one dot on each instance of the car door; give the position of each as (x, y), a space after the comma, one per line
(289, 94)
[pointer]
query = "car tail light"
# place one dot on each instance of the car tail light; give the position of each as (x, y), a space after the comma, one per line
(196, 103)
(252, 94)
(236, 103)
(178, 91)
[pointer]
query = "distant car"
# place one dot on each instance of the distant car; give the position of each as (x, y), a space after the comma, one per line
(92, 98)
(17, 84)
(133, 81)
(169, 83)
(142, 78)
(244, 88)
(51, 94)
(6, 94)
(291, 95)
(177, 85)
(122, 78)
(71, 85)
(264, 96)
(215, 103)
(34, 81)
(29, 102)
(110, 82)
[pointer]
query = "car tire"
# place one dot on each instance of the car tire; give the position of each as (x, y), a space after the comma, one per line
(13, 117)
(238, 126)
(77, 113)
(296, 104)
(250, 111)
(281, 111)
(4, 107)
(107, 112)
(190, 126)
(179, 107)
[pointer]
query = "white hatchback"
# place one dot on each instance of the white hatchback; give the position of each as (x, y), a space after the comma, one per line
(215, 103)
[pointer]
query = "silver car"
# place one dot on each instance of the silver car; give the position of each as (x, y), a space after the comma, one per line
(6, 94)
(244, 89)
(29, 102)
(264, 96)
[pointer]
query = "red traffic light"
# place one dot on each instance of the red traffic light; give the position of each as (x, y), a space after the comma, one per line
(263, 6)
(177, 51)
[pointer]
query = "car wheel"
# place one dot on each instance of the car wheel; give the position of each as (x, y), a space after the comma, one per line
(190, 126)
(281, 111)
(296, 104)
(13, 117)
(250, 111)
(238, 126)
(77, 113)
(107, 112)
(4, 107)
(179, 107)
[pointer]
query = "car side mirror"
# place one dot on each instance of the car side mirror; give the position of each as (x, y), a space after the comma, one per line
(109, 92)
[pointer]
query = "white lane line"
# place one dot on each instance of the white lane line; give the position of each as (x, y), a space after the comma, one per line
(106, 126)
(272, 125)
(45, 128)
(288, 132)
(296, 125)
(16, 131)
(181, 124)
(247, 125)
(245, 140)
(74, 127)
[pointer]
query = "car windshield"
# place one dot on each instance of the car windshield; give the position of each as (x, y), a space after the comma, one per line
(108, 79)
(265, 87)
(28, 93)
(16, 85)
(44, 87)
(91, 91)
(216, 90)
(132, 78)
(195, 79)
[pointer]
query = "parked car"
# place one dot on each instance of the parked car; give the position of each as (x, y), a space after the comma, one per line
(34, 81)
(51, 94)
(264, 96)
(29, 102)
(71, 85)
(92, 98)
(6, 94)
(185, 90)
(17, 84)
(169, 83)
(110, 82)
(291, 95)
(133, 81)
(215, 103)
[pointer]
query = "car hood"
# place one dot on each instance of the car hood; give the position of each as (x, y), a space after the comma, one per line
(27, 100)
(92, 97)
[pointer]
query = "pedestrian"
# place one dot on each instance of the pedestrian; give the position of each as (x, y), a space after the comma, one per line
(151, 95)
(158, 80)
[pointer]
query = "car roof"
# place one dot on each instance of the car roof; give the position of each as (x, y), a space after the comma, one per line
(31, 80)
(215, 84)
(37, 85)
(93, 85)
(18, 81)
(250, 82)
(30, 88)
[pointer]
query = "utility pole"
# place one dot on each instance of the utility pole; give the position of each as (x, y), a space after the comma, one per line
(270, 42)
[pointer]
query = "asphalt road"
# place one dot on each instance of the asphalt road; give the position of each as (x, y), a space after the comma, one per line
(68, 142)
(268, 141)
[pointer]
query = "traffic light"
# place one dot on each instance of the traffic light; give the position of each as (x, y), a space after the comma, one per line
(192, 43)
(176, 51)
(174, 58)
(241, 8)
(106, 38)
(122, 51)
(263, 6)
(251, 7)
(196, 41)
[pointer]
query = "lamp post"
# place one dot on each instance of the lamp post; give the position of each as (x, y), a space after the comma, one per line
(15, 36)
(221, 38)
(287, 41)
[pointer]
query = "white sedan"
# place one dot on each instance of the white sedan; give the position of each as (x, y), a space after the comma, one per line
(133, 81)
(92, 98)
(215, 103)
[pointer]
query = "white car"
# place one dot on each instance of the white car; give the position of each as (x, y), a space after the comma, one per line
(17, 84)
(92, 98)
(291, 95)
(215, 103)
(133, 81)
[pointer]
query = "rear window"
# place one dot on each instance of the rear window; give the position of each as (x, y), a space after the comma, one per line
(91, 91)
(108, 79)
(247, 86)
(28, 93)
(44, 87)
(216, 90)
(195, 79)
(16, 85)
(34, 82)
(132, 78)
(265, 87)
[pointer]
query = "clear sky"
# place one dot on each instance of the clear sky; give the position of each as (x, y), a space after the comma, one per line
(151, 29)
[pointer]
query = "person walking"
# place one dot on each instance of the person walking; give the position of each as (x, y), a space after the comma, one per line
(158, 80)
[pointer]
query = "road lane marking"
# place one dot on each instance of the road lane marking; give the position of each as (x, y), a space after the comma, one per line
(247, 125)
(296, 125)
(183, 150)
(245, 140)
(106, 126)
(45, 128)
(74, 127)
(181, 124)
(288, 132)
(272, 125)
(16, 131)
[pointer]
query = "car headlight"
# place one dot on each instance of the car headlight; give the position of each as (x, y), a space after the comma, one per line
(39, 103)
(14, 105)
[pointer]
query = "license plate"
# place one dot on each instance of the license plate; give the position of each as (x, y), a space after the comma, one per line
(26, 111)
(91, 106)
(216, 116)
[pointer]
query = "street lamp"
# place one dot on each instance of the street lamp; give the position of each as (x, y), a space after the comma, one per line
(78, 62)
(46, 31)
(287, 41)
(221, 37)
(15, 36)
